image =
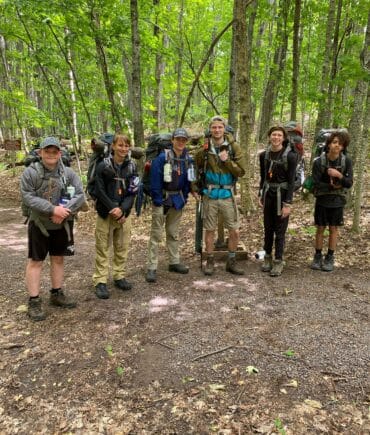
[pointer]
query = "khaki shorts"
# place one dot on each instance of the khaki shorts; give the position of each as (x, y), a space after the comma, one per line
(223, 207)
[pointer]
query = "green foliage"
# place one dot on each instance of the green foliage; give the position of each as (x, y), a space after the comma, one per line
(38, 87)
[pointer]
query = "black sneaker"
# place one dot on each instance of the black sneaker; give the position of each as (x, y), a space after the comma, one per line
(35, 312)
(316, 262)
(151, 275)
(123, 284)
(328, 263)
(178, 268)
(59, 299)
(101, 291)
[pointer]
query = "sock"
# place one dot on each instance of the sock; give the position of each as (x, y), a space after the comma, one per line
(330, 252)
(318, 252)
(231, 254)
(53, 291)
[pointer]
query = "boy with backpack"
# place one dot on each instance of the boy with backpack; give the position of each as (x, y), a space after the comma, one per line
(51, 194)
(332, 175)
(278, 172)
(170, 178)
(116, 184)
(219, 164)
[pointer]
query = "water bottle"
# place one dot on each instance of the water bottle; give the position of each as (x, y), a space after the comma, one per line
(71, 191)
(191, 173)
(260, 255)
(167, 173)
(63, 201)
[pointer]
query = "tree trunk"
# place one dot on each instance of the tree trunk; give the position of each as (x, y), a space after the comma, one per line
(296, 59)
(233, 89)
(69, 63)
(9, 86)
(276, 71)
(323, 116)
(179, 63)
(199, 72)
(102, 60)
(159, 71)
(244, 92)
(363, 150)
(137, 115)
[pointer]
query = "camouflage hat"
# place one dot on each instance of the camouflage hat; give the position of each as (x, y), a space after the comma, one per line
(50, 141)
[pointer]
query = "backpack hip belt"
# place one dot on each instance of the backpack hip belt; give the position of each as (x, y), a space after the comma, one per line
(220, 186)
(278, 187)
(36, 217)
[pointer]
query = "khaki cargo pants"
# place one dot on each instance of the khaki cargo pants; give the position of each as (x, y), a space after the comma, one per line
(171, 222)
(106, 230)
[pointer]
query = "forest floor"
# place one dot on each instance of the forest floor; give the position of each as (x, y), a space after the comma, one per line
(189, 354)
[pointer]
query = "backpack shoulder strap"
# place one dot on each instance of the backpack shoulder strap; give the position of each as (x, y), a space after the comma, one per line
(323, 161)
(284, 156)
(342, 163)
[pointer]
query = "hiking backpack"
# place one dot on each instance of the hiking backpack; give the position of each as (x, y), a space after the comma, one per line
(308, 182)
(40, 171)
(295, 144)
(101, 151)
(157, 143)
(295, 137)
(33, 156)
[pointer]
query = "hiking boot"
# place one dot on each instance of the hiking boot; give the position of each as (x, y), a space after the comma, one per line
(210, 266)
(101, 291)
(178, 268)
(151, 275)
(328, 263)
(59, 299)
(316, 262)
(123, 284)
(232, 267)
(35, 312)
(277, 268)
(267, 263)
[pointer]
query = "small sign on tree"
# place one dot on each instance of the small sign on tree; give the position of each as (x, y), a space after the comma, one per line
(12, 144)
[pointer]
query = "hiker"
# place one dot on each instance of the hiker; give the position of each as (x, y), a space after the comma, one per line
(169, 188)
(52, 194)
(116, 184)
(278, 172)
(332, 175)
(219, 163)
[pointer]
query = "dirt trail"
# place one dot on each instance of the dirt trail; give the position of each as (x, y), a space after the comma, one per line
(188, 354)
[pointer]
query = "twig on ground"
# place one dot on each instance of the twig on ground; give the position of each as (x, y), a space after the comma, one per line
(212, 353)
(164, 345)
(12, 346)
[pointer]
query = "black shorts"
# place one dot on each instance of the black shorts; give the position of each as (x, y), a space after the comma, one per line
(325, 216)
(57, 244)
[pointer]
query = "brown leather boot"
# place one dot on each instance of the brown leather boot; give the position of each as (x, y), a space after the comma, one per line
(210, 266)
(232, 267)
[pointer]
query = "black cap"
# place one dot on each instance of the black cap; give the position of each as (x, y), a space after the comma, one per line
(180, 132)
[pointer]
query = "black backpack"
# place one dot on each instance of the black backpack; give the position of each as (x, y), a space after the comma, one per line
(295, 137)
(157, 143)
(320, 140)
(101, 151)
(33, 157)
